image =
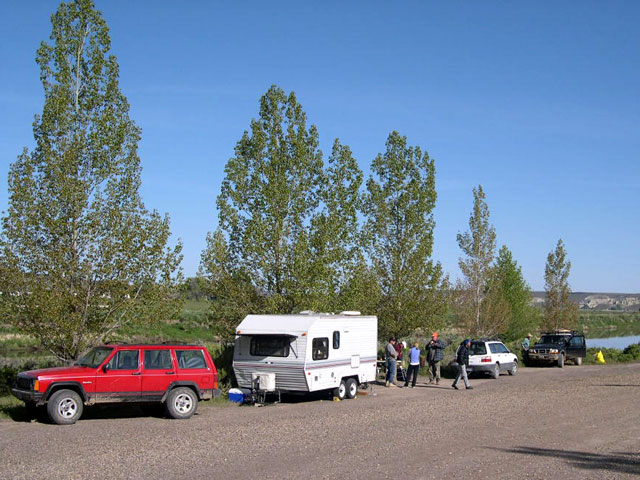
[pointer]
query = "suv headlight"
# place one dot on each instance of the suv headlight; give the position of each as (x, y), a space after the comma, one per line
(553, 350)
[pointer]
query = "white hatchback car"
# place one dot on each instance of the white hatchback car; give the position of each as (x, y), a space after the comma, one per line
(492, 357)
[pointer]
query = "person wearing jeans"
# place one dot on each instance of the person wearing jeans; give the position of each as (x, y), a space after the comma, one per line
(435, 353)
(391, 354)
(462, 357)
(414, 365)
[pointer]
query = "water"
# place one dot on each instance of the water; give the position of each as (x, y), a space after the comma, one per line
(613, 342)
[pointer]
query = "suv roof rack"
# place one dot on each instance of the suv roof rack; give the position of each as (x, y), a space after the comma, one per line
(562, 331)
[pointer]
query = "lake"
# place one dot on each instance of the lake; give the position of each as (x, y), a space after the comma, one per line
(613, 342)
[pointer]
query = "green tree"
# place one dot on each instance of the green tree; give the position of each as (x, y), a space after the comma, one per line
(336, 246)
(507, 282)
(478, 246)
(288, 226)
(83, 255)
(231, 288)
(559, 311)
(399, 209)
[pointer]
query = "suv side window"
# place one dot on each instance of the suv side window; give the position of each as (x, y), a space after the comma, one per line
(494, 347)
(320, 348)
(190, 359)
(124, 360)
(577, 342)
(157, 360)
(502, 348)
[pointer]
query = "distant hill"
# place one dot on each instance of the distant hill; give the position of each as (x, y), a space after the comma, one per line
(623, 302)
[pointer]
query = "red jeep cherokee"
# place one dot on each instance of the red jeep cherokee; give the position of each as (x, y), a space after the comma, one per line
(177, 375)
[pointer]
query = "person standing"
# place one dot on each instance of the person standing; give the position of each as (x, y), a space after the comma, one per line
(462, 357)
(526, 344)
(391, 355)
(414, 365)
(435, 353)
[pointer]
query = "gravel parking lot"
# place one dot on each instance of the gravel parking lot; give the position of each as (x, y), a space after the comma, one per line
(571, 423)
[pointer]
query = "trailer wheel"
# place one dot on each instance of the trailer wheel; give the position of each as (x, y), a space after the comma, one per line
(340, 392)
(352, 388)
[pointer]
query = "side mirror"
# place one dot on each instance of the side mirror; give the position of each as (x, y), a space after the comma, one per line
(105, 368)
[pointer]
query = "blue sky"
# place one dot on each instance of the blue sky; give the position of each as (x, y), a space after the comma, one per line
(537, 101)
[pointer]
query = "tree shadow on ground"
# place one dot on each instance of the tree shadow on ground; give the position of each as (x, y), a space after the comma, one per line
(615, 385)
(622, 462)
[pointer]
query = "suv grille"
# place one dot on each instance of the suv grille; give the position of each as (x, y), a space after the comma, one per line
(24, 383)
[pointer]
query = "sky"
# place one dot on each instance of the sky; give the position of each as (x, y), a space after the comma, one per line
(538, 102)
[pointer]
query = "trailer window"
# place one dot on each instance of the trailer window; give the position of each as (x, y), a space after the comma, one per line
(270, 346)
(336, 340)
(320, 348)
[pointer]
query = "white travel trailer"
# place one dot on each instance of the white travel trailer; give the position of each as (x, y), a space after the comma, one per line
(307, 352)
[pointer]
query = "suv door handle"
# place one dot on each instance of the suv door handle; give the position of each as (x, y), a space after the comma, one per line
(135, 373)
(170, 373)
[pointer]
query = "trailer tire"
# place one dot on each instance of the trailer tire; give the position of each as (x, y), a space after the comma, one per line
(352, 388)
(340, 392)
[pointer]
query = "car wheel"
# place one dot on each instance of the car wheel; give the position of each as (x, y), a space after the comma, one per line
(352, 388)
(514, 369)
(340, 392)
(561, 361)
(64, 407)
(579, 361)
(496, 371)
(181, 403)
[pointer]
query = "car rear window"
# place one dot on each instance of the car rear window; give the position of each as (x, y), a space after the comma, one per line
(190, 359)
(478, 348)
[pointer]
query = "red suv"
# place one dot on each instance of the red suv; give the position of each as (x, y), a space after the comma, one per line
(176, 375)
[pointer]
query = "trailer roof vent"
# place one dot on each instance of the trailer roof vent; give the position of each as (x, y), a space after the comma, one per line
(306, 312)
(350, 312)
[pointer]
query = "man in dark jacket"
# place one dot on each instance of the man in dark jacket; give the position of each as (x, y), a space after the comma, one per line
(462, 357)
(434, 356)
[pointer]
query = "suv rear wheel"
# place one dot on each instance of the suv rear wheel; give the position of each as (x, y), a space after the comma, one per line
(496, 371)
(64, 407)
(579, 361)
(182, 403)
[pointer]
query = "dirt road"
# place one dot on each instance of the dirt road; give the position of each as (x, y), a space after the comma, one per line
(571, 423)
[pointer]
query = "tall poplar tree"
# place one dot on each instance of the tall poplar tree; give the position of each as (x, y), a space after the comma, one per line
(81, 254)
(478, 245)
(286, 240)
(399, 209)
(507, 283)
(559, 310)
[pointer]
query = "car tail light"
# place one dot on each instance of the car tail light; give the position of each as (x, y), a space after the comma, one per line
(485, 360)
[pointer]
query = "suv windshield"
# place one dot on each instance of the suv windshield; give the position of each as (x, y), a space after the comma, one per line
(557, 339)
(95, 357)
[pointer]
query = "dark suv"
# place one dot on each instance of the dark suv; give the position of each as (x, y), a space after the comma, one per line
(558, 347)
(176, 375)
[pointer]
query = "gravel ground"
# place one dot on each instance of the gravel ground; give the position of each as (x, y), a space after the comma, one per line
(571, 423)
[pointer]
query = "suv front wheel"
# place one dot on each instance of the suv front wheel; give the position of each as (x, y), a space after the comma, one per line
(64, 407)
(182, 403)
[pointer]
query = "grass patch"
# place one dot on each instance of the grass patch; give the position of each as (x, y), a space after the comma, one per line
(11, 407)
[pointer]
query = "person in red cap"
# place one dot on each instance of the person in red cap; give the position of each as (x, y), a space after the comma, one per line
(435, 353)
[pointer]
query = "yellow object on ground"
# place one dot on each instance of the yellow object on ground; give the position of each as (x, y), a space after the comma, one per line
(600, 357)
